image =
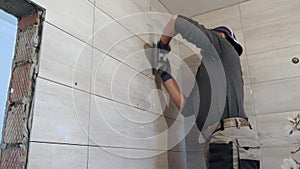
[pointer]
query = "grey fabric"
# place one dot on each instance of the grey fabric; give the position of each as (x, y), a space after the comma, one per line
(232, 147)
(200, 36)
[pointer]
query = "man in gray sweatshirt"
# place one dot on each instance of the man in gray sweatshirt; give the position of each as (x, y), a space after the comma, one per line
(217, 96)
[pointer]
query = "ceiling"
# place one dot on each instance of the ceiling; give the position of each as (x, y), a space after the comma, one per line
(191, 8)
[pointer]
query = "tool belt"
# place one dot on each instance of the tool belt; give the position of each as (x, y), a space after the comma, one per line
(232, 122)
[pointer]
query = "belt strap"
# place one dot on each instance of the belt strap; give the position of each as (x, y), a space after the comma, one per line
(233, 122)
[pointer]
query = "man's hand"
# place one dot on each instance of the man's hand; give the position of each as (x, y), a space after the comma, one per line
(163, 64)
(164, 49)
(157, 56)
(163, 67)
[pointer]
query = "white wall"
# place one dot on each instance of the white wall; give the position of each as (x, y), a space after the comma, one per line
(96, 103)
(94, 95)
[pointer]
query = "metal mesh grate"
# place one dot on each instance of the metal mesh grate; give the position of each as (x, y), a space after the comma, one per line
(24, 47)
(20, 82)
(13, 132)
(10, 158)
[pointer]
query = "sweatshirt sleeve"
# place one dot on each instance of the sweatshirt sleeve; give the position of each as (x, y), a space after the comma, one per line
(192, 31)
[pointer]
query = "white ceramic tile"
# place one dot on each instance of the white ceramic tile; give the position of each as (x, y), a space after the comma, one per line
(195, 160)
(192, 140)
(120, 82)
(248, 101)
(99, 156)
(142, 60)
(116, 40)
(65, 59)
(97, 59)
(143, 6)
(253, 121)
(276, 96)
(274, 65)
(239, 34)
(146, 25)
(116, 81)
(229, 16)
(143, 25)
(256, 12)
(156, 6)
(101, 20)
(131, 51)
(74, 17)
(104, 71)
(115, 124)
(245, 70)
(119, 8)
(274, 129)
(49, 156)
(81, 73)
(268, 36)
(117, 158)
(60, 114)
(273, 157)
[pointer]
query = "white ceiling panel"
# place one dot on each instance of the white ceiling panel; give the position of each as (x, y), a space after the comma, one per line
(191, 8)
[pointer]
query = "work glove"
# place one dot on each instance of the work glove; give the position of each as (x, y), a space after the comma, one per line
(163, 67)
(164, 49)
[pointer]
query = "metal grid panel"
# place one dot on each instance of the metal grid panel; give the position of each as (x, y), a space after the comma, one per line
(13, 132)
(20, 82)
(25, 44)
(10, 158)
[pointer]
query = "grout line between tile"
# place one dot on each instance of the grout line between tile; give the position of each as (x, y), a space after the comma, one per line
(270, 50)
(103, 97)
(279, 112)
(117, 101)
(97, 146)
(85, 42)
(275, 80)
(112, 57)
(90, 95)
(247, 63)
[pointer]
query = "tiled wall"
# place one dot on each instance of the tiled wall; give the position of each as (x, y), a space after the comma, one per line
(269, 32)
(96, 100)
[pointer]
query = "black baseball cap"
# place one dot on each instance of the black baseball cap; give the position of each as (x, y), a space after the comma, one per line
(231, 38)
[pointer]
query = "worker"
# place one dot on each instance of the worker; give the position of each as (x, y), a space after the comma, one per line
(233, 143)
